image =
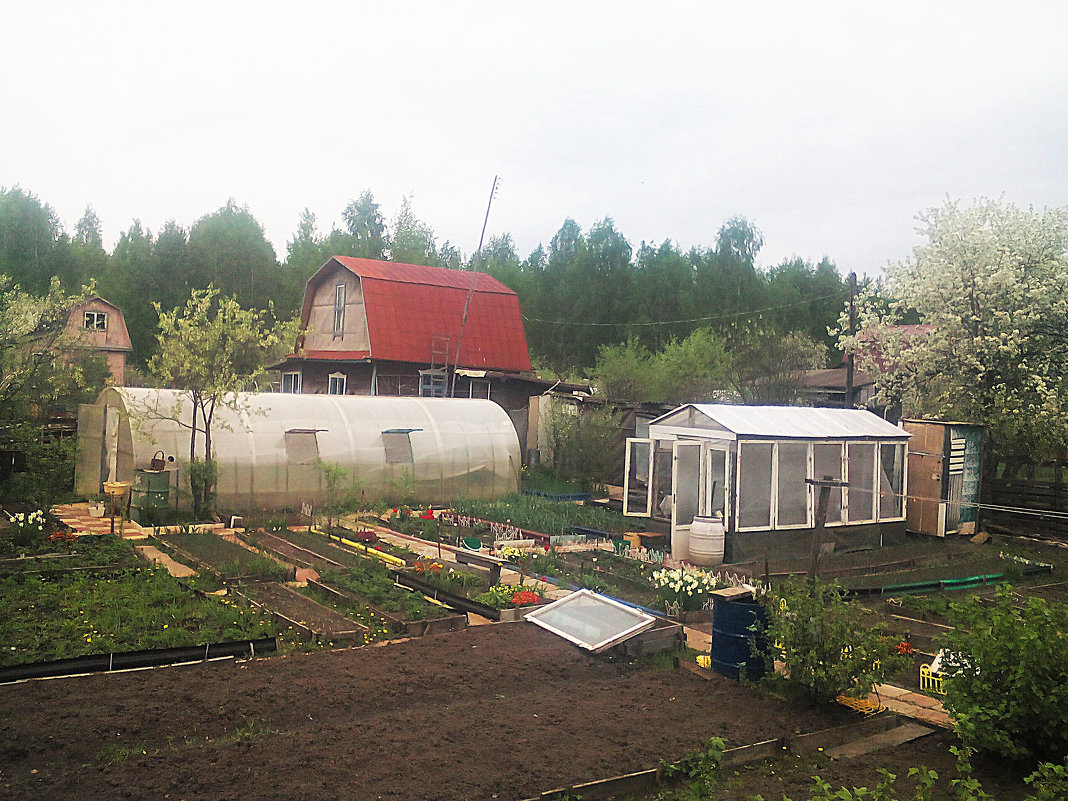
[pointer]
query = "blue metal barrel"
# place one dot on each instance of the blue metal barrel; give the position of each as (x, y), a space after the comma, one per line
(732, 639)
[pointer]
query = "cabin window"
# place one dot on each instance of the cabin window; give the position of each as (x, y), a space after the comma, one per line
(336, 384)
(96, 320)
(339, 310)
(398, 444)
(291, 382)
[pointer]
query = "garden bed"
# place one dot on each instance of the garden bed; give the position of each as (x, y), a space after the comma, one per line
(229, 560)
(337, 724)
(414, 616)
(77, 614)
(102, 552)
(297, 610)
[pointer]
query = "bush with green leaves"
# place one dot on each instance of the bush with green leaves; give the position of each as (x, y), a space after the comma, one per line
(1004, 676)
(829, 645)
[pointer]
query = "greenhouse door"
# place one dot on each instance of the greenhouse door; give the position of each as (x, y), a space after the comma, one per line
(686, 486)
(716, 472)
(637, 488)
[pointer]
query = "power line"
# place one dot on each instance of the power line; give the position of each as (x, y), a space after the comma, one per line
(678, 322)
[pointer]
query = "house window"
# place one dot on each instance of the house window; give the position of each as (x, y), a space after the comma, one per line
(96, 321)
(339, 310)
(433, 383)
(291, 382)
(398, 445)
(337, 384)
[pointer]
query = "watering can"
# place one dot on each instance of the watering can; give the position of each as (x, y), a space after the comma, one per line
(159, 461)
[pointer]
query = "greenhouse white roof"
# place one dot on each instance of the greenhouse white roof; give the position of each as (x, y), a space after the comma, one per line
(803, 422)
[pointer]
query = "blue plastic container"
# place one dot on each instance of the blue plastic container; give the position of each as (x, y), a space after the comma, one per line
(733, 638)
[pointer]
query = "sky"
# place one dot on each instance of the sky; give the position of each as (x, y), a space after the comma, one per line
(829, 125)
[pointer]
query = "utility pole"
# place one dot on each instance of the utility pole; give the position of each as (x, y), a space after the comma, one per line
(825, 485)
(471, 290)
(850, 400)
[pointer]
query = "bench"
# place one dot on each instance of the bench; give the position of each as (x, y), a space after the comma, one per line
(492, 563)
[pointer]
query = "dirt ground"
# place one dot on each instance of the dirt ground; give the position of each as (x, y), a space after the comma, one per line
(493, 712)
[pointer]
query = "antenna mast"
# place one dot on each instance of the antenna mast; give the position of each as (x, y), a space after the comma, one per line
(471, 290)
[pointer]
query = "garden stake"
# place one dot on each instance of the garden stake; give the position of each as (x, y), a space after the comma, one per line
(825, 485)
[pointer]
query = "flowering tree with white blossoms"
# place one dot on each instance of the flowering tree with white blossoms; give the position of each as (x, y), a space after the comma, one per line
(992, 284)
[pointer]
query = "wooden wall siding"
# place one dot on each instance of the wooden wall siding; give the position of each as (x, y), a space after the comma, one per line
(320, 322)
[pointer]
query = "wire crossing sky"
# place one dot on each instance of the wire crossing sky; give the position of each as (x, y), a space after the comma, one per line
(830, 125)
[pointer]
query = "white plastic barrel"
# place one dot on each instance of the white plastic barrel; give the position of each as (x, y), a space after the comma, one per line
(706, 541)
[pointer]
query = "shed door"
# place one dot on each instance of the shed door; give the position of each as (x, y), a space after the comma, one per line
(637, 483)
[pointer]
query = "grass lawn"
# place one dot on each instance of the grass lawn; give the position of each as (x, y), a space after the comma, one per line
(46, 556)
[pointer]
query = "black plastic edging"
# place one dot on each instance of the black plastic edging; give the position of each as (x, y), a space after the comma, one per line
(455, 601)
(153, 657)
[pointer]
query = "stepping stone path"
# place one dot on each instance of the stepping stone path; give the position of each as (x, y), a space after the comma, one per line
(157, 557)
(76, 515)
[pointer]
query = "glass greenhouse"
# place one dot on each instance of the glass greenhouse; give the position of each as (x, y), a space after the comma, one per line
(434, 449)
(749, 464)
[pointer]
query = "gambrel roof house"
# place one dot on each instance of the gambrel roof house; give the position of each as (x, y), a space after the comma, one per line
(379, 328)
(96, 324)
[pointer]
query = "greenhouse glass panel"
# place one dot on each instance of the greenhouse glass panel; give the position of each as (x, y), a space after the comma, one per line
(793, 491)
(891, 480)
(827, 461)
(860, 473)
(754, 485)
(591, 621)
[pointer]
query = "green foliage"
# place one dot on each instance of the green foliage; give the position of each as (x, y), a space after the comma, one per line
(543, 515)
(828, 646)
(700, 768)
(989, 284)
(1004, 676)
(212, 349)
(76, 614)
(584, 441)
(1049, 782)
(339, 490)
(369, 579)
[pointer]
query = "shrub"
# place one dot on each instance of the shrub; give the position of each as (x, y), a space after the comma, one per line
(1004, 676)
(826, 645)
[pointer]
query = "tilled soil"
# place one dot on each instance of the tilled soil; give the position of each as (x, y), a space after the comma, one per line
(492, 712)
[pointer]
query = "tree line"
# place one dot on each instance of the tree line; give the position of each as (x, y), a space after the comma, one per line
(583, 291)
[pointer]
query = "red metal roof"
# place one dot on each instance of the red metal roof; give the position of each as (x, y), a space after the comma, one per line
(408, 305)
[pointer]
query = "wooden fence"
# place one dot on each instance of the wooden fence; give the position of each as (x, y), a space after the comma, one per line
(1034, 496)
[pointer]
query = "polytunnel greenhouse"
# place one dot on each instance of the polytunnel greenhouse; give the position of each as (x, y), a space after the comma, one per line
(270, 449)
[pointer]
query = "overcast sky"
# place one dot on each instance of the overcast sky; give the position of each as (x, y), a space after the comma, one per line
(830, 125)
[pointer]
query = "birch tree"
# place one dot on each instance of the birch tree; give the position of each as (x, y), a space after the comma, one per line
(990, 282)
(212, 349)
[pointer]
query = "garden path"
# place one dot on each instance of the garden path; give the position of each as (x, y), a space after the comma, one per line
(76, 515)
(156, 556)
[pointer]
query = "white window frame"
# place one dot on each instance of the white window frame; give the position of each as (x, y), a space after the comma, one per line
(904, 451)
(774, 484)
(872, 490)
(339, 310)
(295, 382)
(809, 512)
(648, 509)
(841, 443)
(330, 379)
(97, 317)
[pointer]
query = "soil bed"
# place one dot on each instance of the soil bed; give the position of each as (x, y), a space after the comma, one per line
(318, 618)
(492, 712)
(291, 553)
